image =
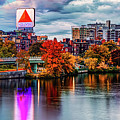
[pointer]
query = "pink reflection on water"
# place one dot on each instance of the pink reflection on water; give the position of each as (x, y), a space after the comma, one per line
(24, 105)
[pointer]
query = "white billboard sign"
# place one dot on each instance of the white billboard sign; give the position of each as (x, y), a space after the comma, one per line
(25, 17)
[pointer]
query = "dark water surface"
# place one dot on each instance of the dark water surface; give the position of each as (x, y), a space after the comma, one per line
(85, 97)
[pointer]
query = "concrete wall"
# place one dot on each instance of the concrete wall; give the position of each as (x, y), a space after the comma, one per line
(14, 74)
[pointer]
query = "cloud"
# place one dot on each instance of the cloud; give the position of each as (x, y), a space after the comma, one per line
(118, 8)
(81, 2)
(59, 29)
(113, 1)
(76, 8)
(104, 7)
(2, 2)
(14, 5)
(55, 17)
(50, 5)
(53, 27)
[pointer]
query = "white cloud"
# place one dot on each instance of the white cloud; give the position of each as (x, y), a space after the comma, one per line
(114, 1)
(56, 26)
(104, 7)
(60, 37)
(13, 5)
(55, 17)
(118, 8)
(81, 2)
(55, 29)
(39, 4)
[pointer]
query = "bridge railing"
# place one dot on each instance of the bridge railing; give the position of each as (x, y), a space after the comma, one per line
(35, 58)
(8, 59)
(14, 58)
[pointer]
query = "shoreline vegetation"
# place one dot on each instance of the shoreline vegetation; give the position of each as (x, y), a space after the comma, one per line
(58, 63)
(75, 73)
(110, 70)
(38, 76)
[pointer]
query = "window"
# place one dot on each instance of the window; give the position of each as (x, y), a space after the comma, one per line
(66, 49)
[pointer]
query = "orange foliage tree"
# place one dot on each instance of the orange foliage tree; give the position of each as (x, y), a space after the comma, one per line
(23, 58)
(100, 52)
(53, 57)
(69, 62)
(7, 49)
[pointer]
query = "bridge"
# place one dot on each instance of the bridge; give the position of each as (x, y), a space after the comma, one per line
(34, 61)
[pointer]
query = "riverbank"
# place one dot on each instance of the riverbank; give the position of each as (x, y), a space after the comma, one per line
(13, 74)
(46, 76)
(112, 70)
(10, 70)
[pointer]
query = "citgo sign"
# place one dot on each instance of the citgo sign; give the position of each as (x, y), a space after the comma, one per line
(25, 17)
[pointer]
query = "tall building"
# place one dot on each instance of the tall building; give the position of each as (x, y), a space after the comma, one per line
(75, 33)
(84, 32)
(97, 31)
(108, 22)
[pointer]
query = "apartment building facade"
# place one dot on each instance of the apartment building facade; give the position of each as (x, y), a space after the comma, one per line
(97, 31)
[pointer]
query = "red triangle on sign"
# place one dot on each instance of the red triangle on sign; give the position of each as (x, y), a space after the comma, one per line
(25, 17)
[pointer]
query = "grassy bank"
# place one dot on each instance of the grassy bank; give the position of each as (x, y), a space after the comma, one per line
(47, 76)
(110, 70)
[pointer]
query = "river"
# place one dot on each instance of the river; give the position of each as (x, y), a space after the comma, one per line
(84, 97)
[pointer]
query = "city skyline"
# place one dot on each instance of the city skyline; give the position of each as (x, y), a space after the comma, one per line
(55, 18)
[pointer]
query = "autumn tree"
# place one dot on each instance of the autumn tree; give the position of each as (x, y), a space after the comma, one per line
(1, 42)
(52, 56)
(95, 51)
(111, 45)
(23, 58)
(115, 56)
(8, 49)
(69, 62)
(79, 59)
(91, 63)
(35, 50)
(102, 65)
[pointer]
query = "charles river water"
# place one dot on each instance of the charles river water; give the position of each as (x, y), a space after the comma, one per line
(84, 97)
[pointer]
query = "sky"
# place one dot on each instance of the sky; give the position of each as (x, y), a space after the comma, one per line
(55, 17)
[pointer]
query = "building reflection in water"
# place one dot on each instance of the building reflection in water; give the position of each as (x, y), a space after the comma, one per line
(24, 105)
(101, 81)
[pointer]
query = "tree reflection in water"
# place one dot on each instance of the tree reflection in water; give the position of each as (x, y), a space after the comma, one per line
(49, 99)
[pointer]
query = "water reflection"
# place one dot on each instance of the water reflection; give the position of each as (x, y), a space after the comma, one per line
(24, 104)
(85, 97)
(103, 82)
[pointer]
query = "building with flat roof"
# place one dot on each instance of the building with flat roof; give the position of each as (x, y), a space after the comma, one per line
(97, 31)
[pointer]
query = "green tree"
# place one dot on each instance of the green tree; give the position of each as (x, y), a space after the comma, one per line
(35, 50)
